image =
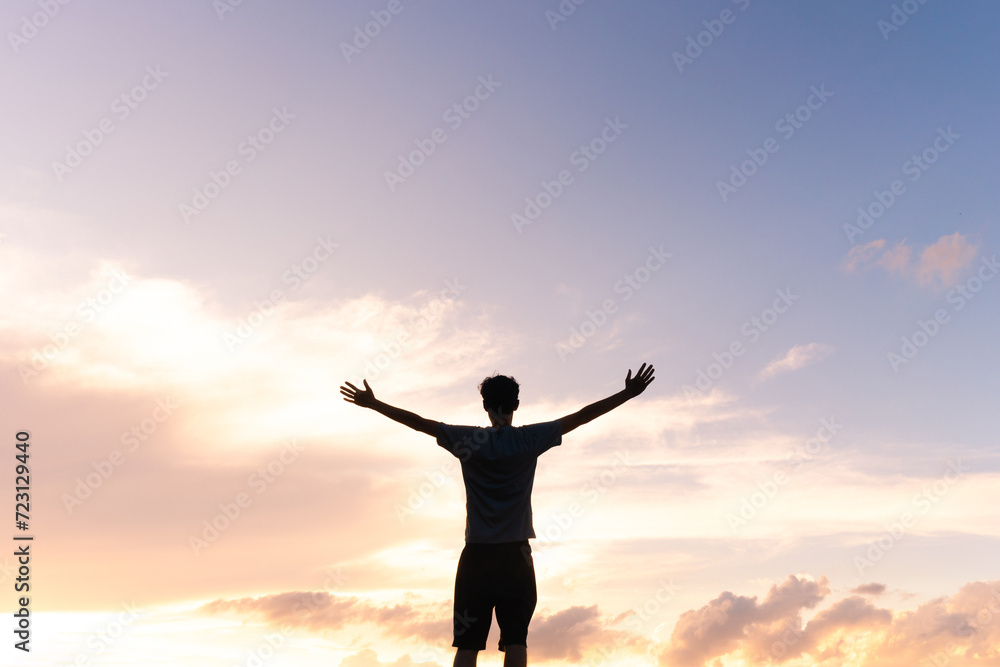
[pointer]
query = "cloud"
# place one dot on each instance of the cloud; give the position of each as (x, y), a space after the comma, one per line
(852, 612)
(869, 589)
(159, 339)
(323, 611)
(731, 621)
(572, 633)
(896, 260)
(569, 634)
(938, 266)
(796, 358)
(560, 635)
(962, 630)
(942, 264)
(368, 658)
(861, 255)
(257, 370)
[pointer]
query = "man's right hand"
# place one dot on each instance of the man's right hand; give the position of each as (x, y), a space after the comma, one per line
(636, 385)
(633, 387)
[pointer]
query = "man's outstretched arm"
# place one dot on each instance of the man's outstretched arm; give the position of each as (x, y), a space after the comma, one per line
(633, 387)
(366, 399)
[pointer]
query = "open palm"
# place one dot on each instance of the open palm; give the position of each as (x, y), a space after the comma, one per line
(363, 397)
(636, 385)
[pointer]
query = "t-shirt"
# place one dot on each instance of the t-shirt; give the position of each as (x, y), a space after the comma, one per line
(498, 466)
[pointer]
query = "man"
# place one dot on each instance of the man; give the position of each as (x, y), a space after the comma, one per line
(498, 466)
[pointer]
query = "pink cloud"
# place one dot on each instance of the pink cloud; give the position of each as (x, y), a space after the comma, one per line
(942, 264)
(730, 622)
(572, 633)
(896, 260)
(869, 589)
(569, 634)
(961, 631)
(938, 266)
(796, 358)
(861, 255)
(322, 611)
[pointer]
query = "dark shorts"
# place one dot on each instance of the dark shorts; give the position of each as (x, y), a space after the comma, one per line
(500, 576)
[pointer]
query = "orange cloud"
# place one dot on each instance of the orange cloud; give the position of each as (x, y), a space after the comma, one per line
(368, 658)
(961, 631)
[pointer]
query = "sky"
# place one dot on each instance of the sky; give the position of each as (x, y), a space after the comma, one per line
(213, 213)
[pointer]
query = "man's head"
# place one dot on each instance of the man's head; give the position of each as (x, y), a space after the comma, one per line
(499, 394)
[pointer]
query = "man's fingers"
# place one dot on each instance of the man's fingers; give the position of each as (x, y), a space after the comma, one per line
(645, 376)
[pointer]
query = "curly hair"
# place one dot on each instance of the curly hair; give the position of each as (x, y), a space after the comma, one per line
(500, 392)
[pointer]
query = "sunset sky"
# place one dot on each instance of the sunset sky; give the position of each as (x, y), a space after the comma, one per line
(213, 213)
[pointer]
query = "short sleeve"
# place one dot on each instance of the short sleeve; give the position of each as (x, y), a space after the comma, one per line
(456, 439)
(543, 437)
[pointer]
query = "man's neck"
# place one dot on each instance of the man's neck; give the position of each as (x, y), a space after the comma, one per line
(497, 421)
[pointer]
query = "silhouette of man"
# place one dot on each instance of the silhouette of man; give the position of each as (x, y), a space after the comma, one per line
(495, 569)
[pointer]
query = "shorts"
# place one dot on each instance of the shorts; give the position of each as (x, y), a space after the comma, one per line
(500, 576)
